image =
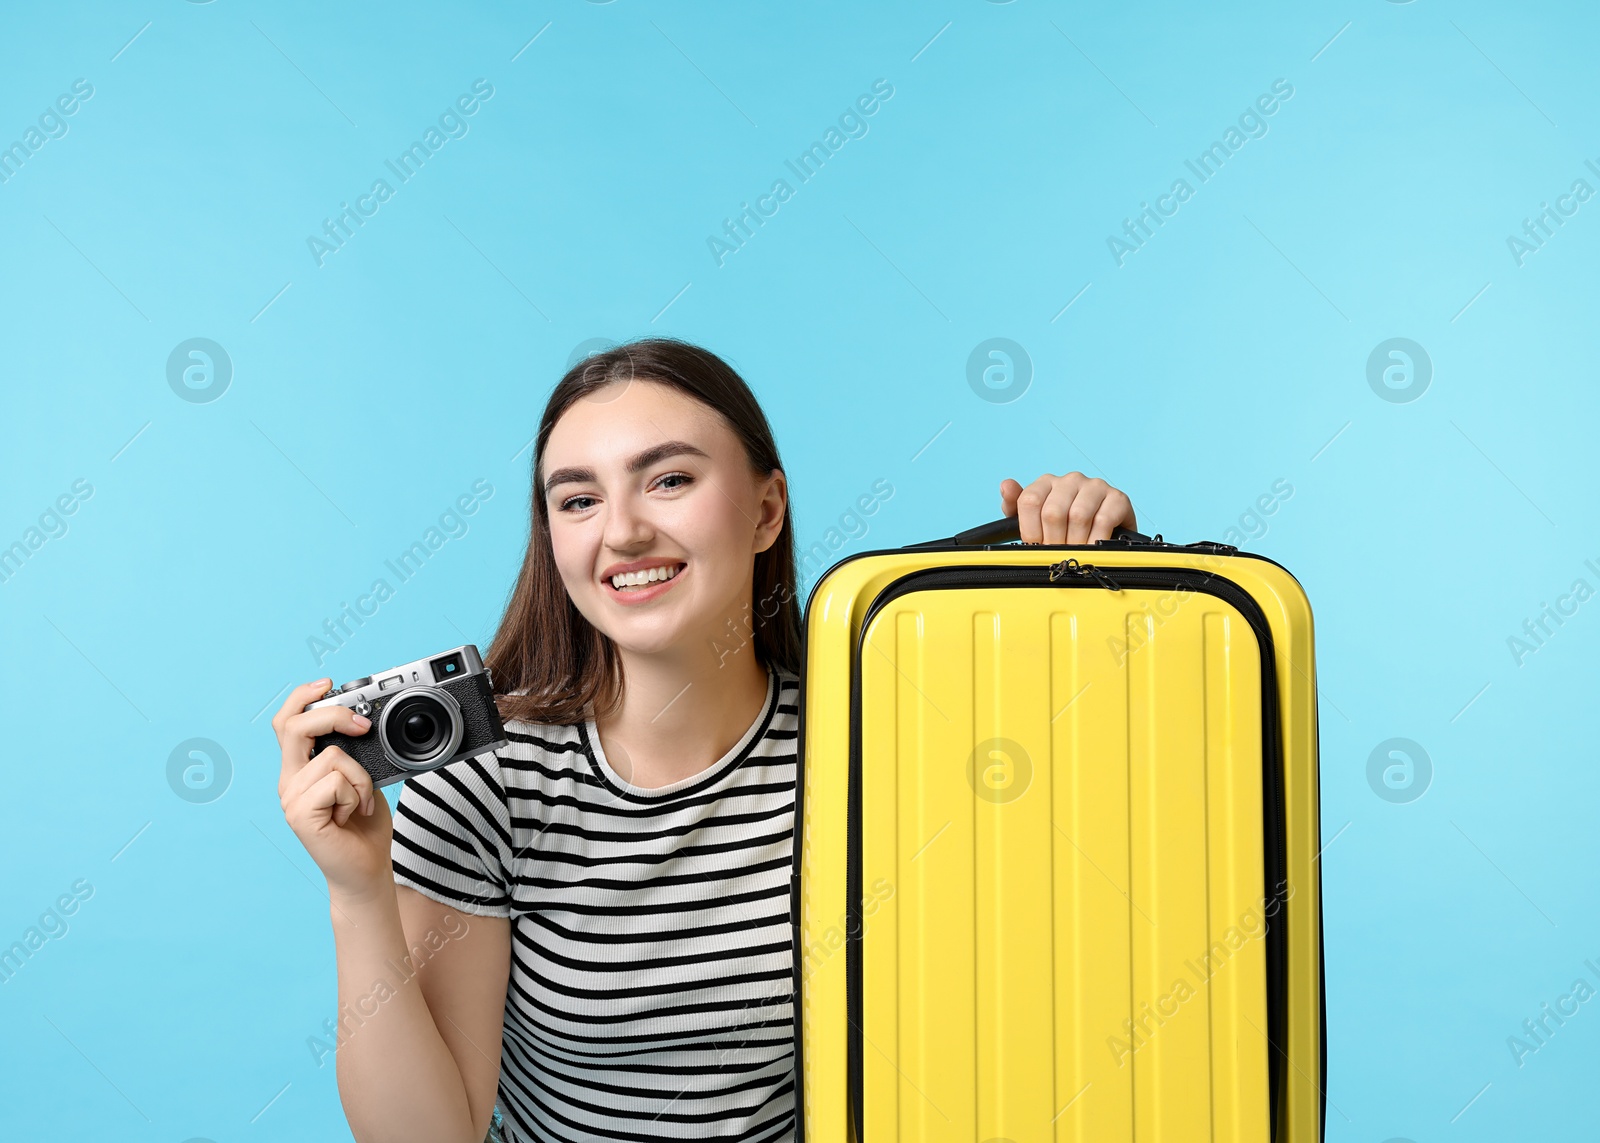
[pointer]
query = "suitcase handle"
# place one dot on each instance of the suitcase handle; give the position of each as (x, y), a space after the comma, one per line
(1005, 530)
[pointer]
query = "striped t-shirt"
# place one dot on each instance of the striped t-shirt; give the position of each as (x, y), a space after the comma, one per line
(651, 994)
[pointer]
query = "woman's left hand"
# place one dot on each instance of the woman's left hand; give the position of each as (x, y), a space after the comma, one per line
(1070, 509)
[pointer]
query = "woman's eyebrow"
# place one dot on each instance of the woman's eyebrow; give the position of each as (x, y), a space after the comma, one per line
(637, 463)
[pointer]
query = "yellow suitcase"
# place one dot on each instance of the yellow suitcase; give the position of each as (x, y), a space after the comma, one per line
(1056, 847)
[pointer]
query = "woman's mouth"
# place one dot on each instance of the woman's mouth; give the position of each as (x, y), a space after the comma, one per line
(640, 587)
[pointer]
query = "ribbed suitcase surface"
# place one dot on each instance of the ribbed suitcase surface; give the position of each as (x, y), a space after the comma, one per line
(1055, 881)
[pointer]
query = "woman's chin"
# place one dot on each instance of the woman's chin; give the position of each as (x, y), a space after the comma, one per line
(663, 635)
(646, 634)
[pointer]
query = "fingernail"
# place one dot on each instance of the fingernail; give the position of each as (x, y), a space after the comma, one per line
(361, 721)
(366, 804)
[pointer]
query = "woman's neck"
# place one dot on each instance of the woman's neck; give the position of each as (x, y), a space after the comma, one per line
(677, 720)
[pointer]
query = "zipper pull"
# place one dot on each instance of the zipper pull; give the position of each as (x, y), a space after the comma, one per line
(1102, 578)
(1065, 567)
(1072, 567)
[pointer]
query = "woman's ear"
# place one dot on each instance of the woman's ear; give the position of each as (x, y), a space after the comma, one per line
(774, 504)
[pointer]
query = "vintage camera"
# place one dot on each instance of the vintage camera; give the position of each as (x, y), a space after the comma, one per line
(424, 715)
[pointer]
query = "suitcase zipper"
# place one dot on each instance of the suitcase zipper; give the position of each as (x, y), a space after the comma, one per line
(1071, 567)
(1071, 573)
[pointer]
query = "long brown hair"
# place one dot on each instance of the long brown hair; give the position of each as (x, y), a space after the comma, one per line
(567, 669)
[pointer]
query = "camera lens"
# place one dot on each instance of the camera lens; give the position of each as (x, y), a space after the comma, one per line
(421, 729)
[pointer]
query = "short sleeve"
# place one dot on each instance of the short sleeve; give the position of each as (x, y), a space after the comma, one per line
(452, 836)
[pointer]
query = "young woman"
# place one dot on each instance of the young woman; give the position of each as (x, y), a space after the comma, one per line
(623, 971)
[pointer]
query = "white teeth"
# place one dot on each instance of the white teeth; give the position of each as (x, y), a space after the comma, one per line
(649, 575)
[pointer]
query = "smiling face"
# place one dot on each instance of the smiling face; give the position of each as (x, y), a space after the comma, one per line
(640, 476)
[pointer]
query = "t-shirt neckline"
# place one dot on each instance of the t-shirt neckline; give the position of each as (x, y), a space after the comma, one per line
(736, 753)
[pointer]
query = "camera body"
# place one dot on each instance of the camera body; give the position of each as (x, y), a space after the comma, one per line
(425, 714)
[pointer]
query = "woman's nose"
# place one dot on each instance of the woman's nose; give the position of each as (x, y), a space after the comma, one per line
(626, 524)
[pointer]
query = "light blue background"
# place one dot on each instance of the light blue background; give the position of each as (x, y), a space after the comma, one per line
(370, 392)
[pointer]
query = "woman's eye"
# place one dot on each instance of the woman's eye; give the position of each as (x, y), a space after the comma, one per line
(567, 504)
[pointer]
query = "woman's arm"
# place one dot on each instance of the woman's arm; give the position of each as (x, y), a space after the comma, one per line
(419, 1039)
(422, 986)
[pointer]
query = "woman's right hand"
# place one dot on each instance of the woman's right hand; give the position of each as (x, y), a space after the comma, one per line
(329, 800)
